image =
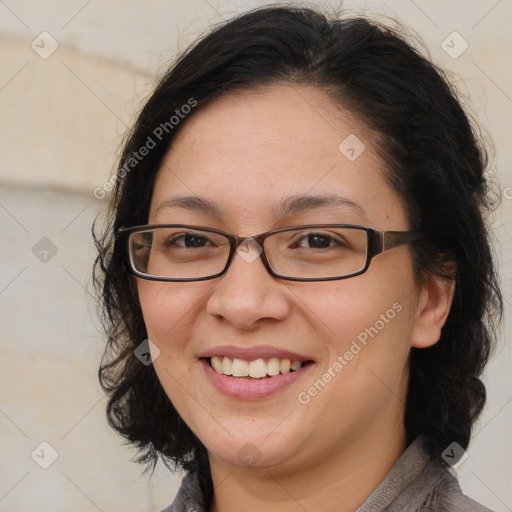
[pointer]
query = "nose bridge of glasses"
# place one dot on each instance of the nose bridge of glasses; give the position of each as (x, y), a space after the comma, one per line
(254, 240)
(248, 248)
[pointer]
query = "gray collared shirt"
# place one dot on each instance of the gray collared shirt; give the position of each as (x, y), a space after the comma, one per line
(414, 484)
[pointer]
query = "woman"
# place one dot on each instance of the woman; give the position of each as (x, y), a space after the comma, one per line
(299, 291)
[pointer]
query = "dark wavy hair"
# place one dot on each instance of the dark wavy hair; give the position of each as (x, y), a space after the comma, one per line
(434, 158)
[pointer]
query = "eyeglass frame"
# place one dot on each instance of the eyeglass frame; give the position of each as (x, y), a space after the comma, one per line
(377, 243)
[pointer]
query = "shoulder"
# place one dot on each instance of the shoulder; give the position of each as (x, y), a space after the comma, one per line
(417, 484)
(189, 497)
(447, 495)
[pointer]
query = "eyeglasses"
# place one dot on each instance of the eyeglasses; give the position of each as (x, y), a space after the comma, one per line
(314, 252)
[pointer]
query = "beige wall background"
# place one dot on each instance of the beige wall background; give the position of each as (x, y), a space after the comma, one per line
(72, 77)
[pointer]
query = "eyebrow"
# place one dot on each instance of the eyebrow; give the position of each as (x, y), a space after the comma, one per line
(289, 206)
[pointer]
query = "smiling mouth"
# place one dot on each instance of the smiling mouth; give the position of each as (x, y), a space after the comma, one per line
(256, 369)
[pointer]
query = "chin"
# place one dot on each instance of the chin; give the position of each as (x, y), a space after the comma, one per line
(258, 445)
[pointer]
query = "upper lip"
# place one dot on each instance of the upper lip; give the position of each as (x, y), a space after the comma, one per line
(253, 353)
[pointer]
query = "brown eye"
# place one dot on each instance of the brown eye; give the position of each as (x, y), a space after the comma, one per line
(188, 240)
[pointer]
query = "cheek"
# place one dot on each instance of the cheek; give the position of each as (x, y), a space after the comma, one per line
(169, 310)
(366, 355)
(366, 323)
(348, 309)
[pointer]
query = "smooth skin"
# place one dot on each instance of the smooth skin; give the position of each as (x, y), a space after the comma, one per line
(247, 151)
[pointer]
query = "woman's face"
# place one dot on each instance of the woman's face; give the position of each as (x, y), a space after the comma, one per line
(248, 153)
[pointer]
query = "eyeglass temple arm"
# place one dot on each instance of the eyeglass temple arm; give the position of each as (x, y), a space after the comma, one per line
(380, 241)
(390, 239)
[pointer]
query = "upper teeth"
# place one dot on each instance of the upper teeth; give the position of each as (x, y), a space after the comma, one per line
(257, 369)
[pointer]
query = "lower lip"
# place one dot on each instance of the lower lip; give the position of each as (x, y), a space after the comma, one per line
(252, 389)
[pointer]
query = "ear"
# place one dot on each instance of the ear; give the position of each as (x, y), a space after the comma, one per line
(433, 307)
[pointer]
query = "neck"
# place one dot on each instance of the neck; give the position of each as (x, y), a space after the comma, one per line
(339, 481)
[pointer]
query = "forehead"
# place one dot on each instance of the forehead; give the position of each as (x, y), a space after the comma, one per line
(249, 151)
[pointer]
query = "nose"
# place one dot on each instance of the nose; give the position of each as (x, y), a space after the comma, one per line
(247, 294)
